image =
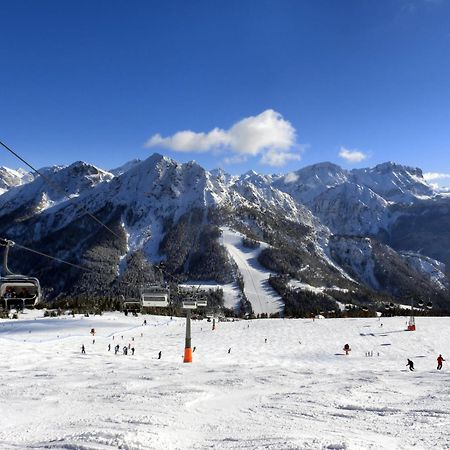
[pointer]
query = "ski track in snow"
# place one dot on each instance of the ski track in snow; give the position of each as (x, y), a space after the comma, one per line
(259, 293)
(282, 394)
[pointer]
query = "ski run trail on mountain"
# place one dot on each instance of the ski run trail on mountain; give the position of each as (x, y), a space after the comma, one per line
(295, 391)
(256, 286)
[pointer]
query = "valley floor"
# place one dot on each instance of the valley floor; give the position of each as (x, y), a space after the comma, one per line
(295, 391)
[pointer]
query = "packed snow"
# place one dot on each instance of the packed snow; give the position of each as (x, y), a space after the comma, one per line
(296, 390)
(259, 293)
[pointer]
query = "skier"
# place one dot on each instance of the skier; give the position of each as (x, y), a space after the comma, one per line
(440, 359)
(83, 351)
(410, 364)
(265, 341)
(125, 350)
(193, 350)
(347, 349)
(159, 354)
(109, 347)
(132, 350)
(116, 349)
(229, 350)
(145, 322)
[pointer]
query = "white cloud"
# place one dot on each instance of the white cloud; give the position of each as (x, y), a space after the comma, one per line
(291, 177)
(266, 134)
(275, 158)
(353, 156)
(188, 141)
(430, 176)
(235, 159)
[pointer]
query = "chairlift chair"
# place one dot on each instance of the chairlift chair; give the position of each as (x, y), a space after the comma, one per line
(189, 304)
(17, 289)
(131, 305)
(155, 296)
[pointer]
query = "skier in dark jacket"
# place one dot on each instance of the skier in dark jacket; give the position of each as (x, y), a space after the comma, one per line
(440, 359)
(83, 351)
(410, 364)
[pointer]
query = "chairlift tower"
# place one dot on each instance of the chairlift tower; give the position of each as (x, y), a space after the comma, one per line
(189, 304)
(412, 320)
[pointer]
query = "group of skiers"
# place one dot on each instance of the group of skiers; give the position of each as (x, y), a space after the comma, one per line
(125, 348)
(117, 349)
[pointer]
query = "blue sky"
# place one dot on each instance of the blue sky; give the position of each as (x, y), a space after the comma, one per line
(264, 85)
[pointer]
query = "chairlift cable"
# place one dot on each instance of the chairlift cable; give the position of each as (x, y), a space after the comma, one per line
(81, 207)
(53, 185)
(47, 256)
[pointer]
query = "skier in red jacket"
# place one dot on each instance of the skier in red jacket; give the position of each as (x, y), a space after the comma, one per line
(440, 359)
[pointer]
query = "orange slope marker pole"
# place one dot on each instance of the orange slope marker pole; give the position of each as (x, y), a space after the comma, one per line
(187, 347)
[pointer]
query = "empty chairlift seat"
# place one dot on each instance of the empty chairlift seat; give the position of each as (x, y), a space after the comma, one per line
(155, 296)
(189, 304)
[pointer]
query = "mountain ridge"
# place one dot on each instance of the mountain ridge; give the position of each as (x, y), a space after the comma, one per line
(311, 219)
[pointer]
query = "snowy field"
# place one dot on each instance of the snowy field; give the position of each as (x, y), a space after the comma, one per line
(295, 391)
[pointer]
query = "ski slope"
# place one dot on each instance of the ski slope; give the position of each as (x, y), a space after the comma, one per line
(295, 391)
(259, 293)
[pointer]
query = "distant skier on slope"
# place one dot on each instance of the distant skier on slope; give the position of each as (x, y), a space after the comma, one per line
(159, 355)
(83, 351)
(410, 364)
(440, 359)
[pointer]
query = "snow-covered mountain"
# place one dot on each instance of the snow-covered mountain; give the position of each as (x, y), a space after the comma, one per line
(357, 201)
(35, 196)
(10, 178)
(313, 223)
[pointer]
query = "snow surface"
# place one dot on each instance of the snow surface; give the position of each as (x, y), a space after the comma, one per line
(295, 391)
(259, 293)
